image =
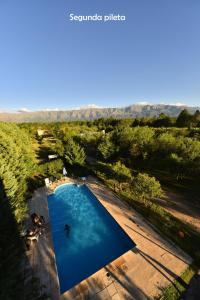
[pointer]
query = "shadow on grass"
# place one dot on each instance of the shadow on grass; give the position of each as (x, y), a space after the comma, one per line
(78, 171)
(43, 152)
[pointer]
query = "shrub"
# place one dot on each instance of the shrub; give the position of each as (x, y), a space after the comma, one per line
(121, 172)
(106, 147)
(74, 153)
(146, 188)
(52, 168)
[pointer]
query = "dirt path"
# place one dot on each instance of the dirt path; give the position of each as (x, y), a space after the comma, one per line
(183, 206)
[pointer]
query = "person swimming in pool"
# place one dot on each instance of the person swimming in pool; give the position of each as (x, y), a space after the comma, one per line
(67, 229)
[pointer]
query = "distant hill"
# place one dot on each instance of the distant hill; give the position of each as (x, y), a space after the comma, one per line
(135, 110)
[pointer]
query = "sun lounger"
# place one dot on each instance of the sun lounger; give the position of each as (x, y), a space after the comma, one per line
(47, 182)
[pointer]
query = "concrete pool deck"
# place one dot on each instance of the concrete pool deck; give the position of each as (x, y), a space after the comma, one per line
(138, 274)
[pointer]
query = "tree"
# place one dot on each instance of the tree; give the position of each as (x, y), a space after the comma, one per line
(196, 117)
(59, 148)
(74, 153)
(121, 172)
(106, 147)
(188, 148)
(184, 119)
(166, 143)
(17, 165)
(146, 188)
(52, 168)
(141, 140)
(162, 121)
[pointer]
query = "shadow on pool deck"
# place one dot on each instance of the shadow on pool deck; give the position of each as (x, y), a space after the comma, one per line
(132, 291)
(160, 268)
(178, 257)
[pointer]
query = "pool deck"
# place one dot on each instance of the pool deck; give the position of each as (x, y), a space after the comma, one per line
(139, 274)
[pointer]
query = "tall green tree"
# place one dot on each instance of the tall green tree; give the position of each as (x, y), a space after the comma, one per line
(16, 166)
(59, 148)
(184, 119)
(106, 147)
(196, 118)
(162, 121)
(141, 140)
(74, 153)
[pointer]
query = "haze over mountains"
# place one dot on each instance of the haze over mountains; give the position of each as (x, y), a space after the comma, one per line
(91, 113)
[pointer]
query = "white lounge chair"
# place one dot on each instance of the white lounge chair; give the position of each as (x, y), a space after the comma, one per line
(47, 182)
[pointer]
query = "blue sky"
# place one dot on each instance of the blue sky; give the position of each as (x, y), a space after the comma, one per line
(46, 61)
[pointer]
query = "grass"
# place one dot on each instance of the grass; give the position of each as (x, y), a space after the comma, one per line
(174, 291)
(169, 181)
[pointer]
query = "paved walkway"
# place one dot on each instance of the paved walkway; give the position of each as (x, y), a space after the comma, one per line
(40, 262)
(138, 274)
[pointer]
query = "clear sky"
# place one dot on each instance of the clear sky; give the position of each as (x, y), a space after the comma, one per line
(48, 61)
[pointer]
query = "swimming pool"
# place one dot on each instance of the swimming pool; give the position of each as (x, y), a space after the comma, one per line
(94, 240)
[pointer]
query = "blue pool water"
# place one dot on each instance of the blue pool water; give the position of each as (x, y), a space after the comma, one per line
(95, 238)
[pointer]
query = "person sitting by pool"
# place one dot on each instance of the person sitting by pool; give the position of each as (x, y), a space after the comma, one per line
(67, 229)
(41, 221)
(32, 234)
(37, 220)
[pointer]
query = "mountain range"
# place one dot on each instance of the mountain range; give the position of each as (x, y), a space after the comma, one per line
(92, 113)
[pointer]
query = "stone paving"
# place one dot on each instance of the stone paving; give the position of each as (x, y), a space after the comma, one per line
(41, 257)
(138, 274)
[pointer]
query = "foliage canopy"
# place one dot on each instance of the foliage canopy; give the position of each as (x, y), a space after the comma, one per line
(74, 153)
